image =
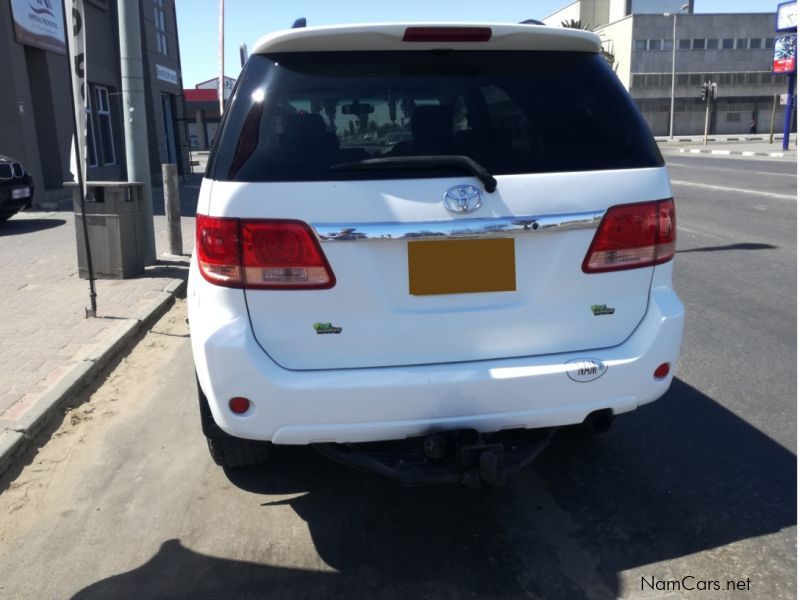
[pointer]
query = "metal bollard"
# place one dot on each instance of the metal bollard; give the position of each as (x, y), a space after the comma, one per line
(172, 207)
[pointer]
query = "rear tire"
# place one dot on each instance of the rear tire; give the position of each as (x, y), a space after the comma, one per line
(236, 453)
(225, 449)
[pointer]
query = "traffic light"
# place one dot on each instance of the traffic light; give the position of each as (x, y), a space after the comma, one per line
(713, 91)
(704, 92)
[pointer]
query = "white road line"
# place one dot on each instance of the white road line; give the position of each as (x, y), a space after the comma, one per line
(707, 168)
(720, 188)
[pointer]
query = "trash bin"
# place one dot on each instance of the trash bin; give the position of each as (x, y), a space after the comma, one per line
(116, 228)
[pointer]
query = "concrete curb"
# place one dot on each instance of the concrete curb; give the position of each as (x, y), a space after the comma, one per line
(731, 152)
(15, 438)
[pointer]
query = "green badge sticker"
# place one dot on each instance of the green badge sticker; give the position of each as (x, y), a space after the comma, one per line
(602, 309)
(324, 328)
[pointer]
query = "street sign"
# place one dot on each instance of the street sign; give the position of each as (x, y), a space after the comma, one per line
(786, 17)
(784, 99)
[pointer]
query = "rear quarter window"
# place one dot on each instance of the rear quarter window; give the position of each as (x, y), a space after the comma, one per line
(295, 115)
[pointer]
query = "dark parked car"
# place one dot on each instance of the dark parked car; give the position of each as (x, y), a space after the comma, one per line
(16, 187)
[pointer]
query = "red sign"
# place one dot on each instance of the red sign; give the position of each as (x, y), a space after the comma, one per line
(784, 60)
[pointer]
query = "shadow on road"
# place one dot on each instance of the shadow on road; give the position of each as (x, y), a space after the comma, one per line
(677, 477)
(742, 246)
(20, 226)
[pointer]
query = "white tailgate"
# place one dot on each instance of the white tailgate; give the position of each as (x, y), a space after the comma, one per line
(382, 324)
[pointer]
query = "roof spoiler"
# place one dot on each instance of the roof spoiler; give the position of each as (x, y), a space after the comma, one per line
(299, 23)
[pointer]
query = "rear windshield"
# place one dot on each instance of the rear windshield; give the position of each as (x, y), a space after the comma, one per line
(295, 115)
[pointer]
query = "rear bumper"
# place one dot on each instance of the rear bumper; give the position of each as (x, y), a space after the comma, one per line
(363, 405)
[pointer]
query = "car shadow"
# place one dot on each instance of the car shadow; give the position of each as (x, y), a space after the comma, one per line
(676, 477)
(742, 246)
(16, 226)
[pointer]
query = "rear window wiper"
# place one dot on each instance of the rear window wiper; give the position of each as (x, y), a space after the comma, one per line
(464, 163)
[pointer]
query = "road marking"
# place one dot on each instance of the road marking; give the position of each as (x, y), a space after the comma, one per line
(721, 188)
(726, 152)
(706, 168)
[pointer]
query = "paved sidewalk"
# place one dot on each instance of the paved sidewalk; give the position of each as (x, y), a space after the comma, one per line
(49, 349)
(754, 145)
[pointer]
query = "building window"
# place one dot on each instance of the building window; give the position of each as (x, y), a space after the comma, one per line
(682, 80)
(712, 44)
(766, 78)
(654, 45)
(104, 126)
(741, 43)
(161, 29)
(695, 79)
(727, 44)
(698, 44)
(769, 43)
(91, 143)
(684, 44)
(733, 117)
(755, 43)
(667, 44)
(640, 45)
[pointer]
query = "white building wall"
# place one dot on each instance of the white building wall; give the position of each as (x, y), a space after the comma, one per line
(616, 10)
(618, 39)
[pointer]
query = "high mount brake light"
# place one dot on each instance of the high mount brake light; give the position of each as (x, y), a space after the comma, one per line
(261, 254)
(447, 34)
(631, 236)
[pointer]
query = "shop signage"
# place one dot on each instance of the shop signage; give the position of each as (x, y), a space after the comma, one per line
(40, 23)
(165, 74)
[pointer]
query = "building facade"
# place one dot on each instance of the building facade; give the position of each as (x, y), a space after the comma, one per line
(592, 14)
(732, 50)
(36, 122)
(202, 110)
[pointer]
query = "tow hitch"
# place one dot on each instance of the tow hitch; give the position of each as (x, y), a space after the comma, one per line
(463, 455)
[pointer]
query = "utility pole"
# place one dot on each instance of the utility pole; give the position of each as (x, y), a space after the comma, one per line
(221, 57)
(135, 115)
(772, 119)
(674, 48)
(787, 122)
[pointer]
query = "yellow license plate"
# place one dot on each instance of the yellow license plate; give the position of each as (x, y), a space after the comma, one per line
(461, 266)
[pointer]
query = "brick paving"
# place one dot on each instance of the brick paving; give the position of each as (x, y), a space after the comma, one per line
(43, 329)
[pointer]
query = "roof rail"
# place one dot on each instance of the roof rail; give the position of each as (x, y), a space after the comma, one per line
(299, 23)
(531, 22)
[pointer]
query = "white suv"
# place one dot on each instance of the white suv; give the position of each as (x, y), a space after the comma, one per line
(503, 267)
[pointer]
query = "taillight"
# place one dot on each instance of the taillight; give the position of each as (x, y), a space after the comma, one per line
(261, 254)
(632, 236)
(217, 242)
(284, 255)
(447, 34)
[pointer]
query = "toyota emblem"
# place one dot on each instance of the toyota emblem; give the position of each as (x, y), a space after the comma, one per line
(462, 199)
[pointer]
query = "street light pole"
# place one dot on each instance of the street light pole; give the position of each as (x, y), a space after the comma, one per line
(674, 48)
(672, 93)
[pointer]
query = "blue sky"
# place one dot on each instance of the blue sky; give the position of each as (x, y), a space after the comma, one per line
(247, 20)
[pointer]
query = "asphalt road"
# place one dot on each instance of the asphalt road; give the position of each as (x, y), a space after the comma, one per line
(124, 502)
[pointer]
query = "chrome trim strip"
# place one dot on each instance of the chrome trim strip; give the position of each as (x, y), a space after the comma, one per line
(348, 232)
